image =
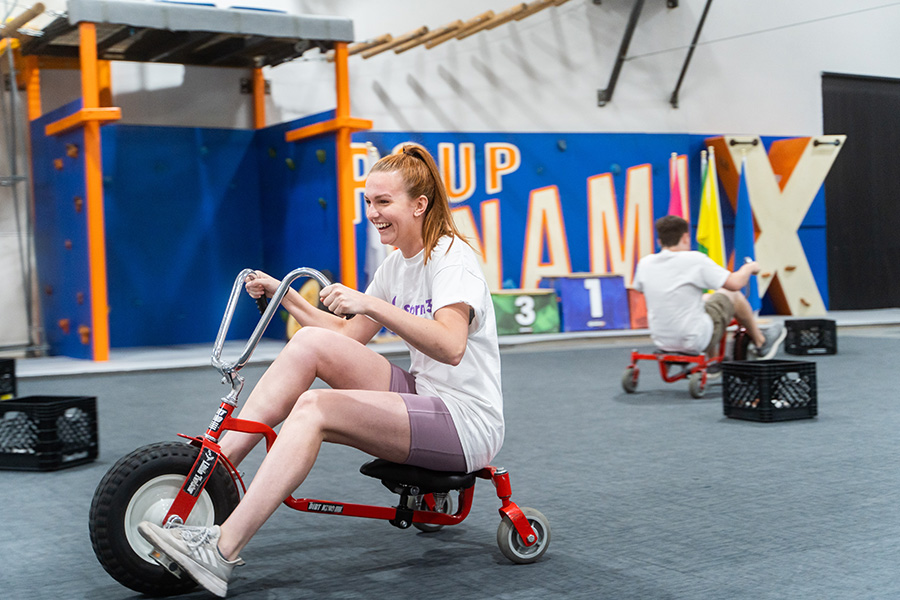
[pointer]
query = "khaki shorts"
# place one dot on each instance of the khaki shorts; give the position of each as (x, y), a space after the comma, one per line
(721, 311)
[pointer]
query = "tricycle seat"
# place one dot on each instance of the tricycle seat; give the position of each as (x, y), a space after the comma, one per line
(394, 475)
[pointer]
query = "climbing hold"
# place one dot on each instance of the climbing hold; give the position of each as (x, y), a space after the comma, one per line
(68, 244)
(561, 144)
(615, 169)
(79, 297)
(272, 152)
(72, 150)
(320, 154)
(79, 203)
(290, 163)
(64, 325)
(58, 164)
(85, 332)
(323, 203)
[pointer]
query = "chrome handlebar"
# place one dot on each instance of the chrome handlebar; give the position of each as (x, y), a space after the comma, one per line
(228, 369)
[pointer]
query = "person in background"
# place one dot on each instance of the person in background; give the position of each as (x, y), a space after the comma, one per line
(681, 316)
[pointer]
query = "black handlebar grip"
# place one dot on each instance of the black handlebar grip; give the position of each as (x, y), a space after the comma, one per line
(347, 317)
(261, 303)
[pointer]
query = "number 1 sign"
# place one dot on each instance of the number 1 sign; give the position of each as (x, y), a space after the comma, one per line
(590, 302)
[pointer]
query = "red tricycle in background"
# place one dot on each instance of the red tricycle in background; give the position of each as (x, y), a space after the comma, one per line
(193, 483)
(675, 366)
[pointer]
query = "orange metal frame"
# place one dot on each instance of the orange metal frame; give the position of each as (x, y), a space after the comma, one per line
(95, 111)
(95, 91)
(343, 125)
(259, 99)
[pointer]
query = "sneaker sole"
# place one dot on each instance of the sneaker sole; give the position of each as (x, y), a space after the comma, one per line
(197, 572)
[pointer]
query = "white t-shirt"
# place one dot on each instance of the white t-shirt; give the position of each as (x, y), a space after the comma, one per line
(471, 390)
(673, 284)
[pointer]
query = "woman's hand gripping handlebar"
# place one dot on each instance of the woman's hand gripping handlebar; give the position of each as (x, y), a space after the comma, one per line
(260, 285)
(264, 282)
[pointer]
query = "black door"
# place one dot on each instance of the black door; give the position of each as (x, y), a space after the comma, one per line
(862, 191)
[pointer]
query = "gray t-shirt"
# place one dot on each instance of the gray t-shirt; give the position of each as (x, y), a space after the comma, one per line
(673, 284)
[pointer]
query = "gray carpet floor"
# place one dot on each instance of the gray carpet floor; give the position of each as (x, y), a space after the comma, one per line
(653, 495)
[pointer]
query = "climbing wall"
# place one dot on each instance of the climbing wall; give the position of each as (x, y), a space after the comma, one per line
(61, 235)
(185, 210)
(298, 199)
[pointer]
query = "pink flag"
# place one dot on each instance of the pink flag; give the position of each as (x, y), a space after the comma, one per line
(675, 205)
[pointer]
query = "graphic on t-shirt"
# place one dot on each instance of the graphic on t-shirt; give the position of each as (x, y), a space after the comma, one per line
(420, 309)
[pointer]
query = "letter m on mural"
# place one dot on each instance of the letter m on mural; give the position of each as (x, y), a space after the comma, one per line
(616, 245)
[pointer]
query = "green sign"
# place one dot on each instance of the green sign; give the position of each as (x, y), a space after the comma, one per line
(519, 311)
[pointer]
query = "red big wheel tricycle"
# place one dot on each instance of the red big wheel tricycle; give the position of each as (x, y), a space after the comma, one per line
(675, 366)
(192, 482)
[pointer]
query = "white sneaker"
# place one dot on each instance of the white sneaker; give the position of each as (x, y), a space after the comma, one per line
(196, 551)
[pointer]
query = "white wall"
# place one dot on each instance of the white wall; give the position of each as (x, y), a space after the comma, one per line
(757, 70)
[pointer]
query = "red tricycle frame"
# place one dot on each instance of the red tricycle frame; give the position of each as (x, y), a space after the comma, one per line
(195, 483)
(211, 453)
(694, 367)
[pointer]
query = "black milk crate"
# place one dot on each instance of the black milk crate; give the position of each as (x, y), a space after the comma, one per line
(44, 433)
(7, 378)
(810, 336)
(769, 390)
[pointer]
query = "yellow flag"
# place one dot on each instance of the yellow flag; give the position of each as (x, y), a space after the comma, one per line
(710, 238)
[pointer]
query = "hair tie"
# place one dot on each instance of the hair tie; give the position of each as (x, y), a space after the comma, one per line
(408, 151)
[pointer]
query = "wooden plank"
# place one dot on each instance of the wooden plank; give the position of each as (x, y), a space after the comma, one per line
(10, 28)
(395, 42)
(360, 46)
(461, 35)
(533, 7)
(474, 22)
(507, 15)
(435, 33)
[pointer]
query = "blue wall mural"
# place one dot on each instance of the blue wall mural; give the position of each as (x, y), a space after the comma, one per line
(188, 208)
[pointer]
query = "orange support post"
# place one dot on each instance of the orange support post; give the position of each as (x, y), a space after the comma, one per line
(104, 82)
(346, 232)
(259, 99)
(33, 87)
(343, 125)
(94, 191)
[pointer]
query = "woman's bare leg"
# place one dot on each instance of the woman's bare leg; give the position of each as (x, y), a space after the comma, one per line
(374, 422)
(312, 352)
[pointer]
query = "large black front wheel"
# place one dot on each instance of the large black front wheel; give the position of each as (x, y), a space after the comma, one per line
(141, 487)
